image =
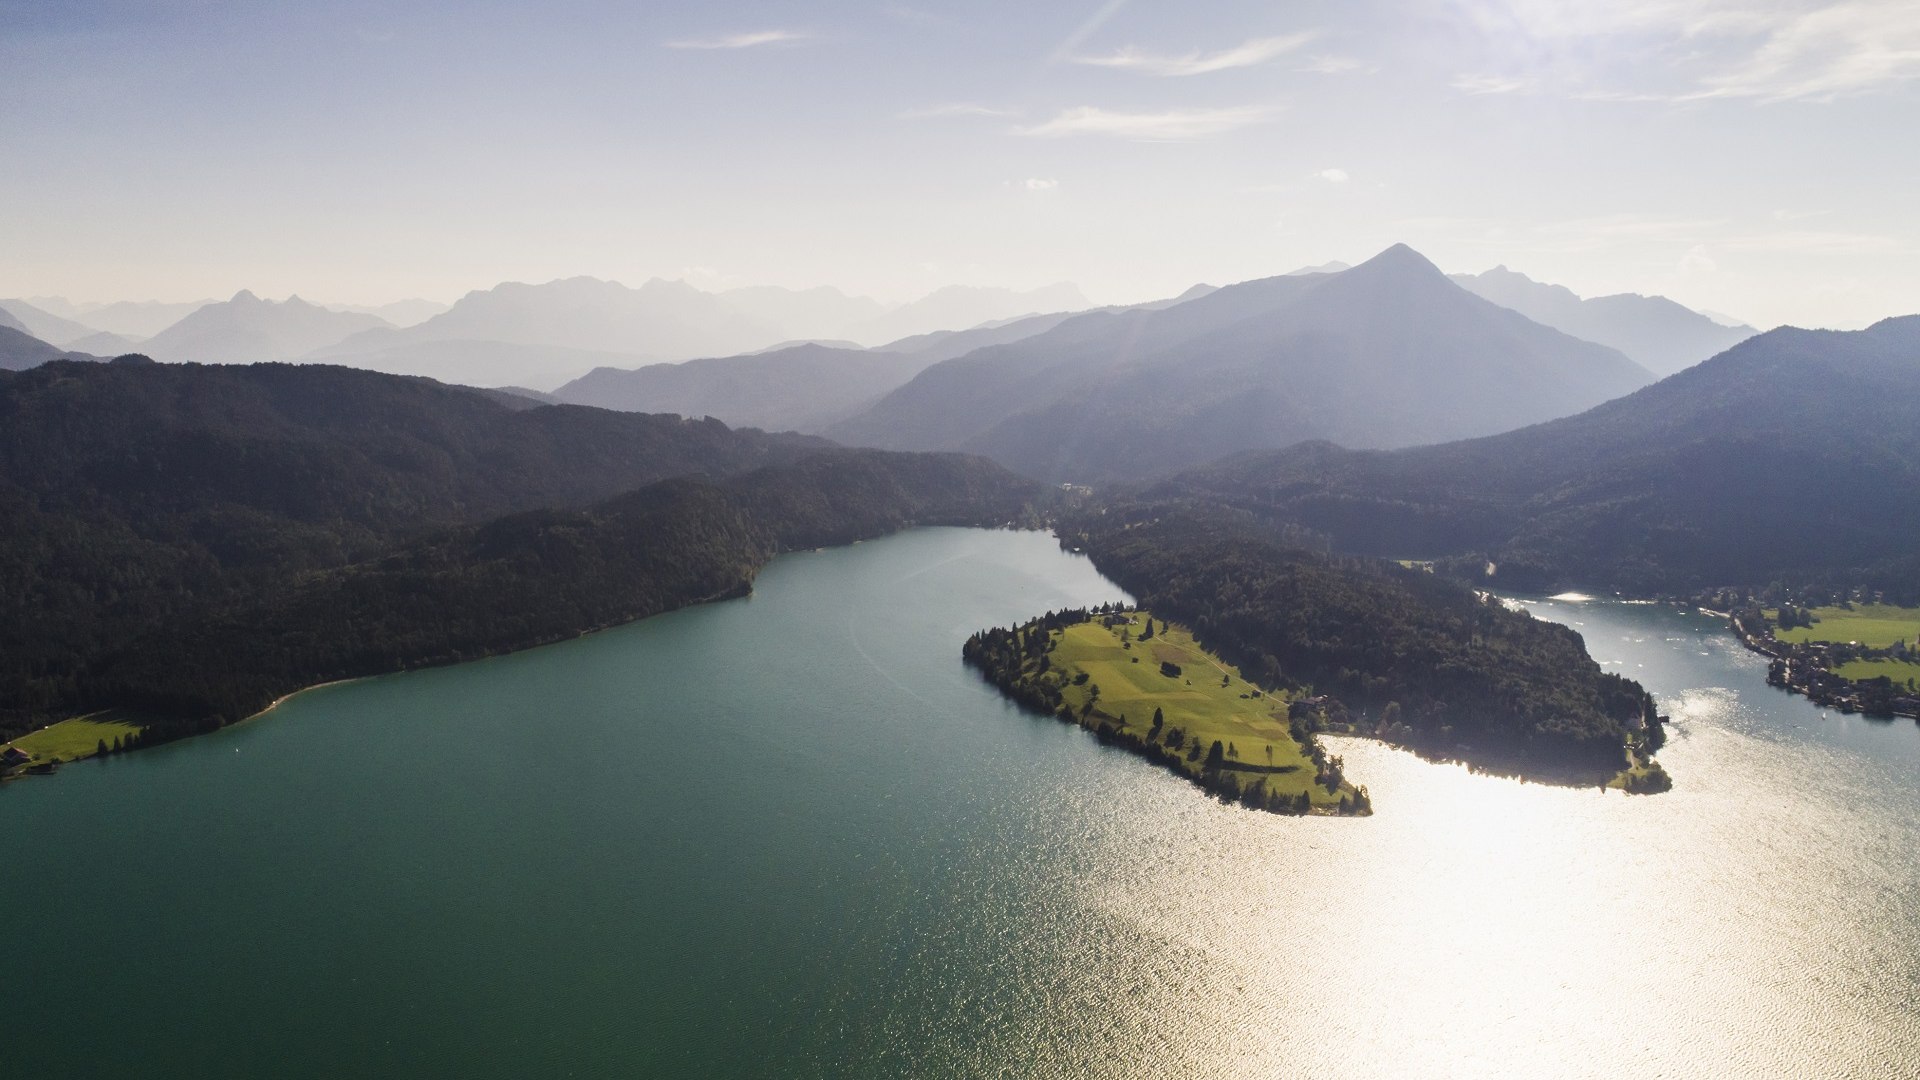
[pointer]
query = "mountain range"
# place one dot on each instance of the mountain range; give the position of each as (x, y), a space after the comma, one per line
(544, 335)
(1655, 332)
(1792, 457)
(20, 350)
(42, 324)
(1388, 353)
(549, 334)
(247, 329)
(805, 387)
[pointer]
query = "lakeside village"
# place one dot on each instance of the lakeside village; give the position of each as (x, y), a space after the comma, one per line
(1812, 667)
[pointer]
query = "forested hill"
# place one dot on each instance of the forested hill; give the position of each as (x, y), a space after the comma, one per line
(1409, 657)
(536, 577)
(354, 454)
(1794, 456)
(141, 501)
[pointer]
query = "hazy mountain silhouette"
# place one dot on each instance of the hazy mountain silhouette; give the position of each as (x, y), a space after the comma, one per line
(401, 313)
(960, 307)
(247, 329)
(104, 344)
(1794, 453)
(475, 363)
(947, 344)
(45, 325)
(1331, 267)
(801, 388)
(804, 314)
(137, 319)
(1655, 332)
(660, 320)
(20, 350)
(1388, 353)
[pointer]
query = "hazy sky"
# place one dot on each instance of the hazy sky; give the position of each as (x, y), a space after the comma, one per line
(1755, 157)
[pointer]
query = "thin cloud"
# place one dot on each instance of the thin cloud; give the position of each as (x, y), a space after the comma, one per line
(1169, 125)
(1696, 50)
(1336, 65)
(1036, 183)
(1837, 51)
(1333, 176)
(958, 108)
(1246, 54)
(751, 40)
(1491, 84)
(1085, 30)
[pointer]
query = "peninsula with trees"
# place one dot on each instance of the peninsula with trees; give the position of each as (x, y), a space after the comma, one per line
(1146, 685)
(1404, 656)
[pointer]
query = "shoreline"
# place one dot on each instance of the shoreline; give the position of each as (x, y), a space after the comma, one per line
(1804, 668)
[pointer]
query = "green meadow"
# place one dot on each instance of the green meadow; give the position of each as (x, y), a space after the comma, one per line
(1876, 626)
(1207, 702)
(1902, 672)
(80, 737)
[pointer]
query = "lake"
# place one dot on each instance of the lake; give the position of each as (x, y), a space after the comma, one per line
(792, 836)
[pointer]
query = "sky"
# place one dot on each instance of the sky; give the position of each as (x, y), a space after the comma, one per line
(1755, 158)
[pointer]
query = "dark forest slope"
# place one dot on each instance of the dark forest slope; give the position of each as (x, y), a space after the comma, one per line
(1793, 456)
(139, 502)
(1412, 658)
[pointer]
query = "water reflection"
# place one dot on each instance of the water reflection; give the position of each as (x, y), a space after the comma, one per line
(793, 836)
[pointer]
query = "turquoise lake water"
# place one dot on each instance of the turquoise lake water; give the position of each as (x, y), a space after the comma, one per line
(792, 836)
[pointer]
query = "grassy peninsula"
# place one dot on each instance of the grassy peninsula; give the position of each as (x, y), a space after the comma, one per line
(1137, 681)
(1401, 655)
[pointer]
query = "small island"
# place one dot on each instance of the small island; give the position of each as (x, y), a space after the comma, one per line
(1857, 658)
(1140, 682)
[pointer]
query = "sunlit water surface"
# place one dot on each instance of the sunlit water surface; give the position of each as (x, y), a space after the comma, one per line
(793, 836)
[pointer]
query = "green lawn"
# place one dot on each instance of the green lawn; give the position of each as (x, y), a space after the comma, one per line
(1900, 671)
(1208, 701)
(71, 740)
(1876, 626)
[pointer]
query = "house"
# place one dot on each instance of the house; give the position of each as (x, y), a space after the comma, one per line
(12, 759)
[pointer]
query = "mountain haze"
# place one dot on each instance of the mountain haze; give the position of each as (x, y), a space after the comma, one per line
(1792, 456)
(20, 350)
(962, 307)
(136, 319)
(45, 325)
(802, 388)
(247, 329)
(1660, 335)
(1388, 353)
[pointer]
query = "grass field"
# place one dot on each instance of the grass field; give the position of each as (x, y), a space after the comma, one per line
(1900, 671)
(71, 740)
(1208, 701)
(1874, 625)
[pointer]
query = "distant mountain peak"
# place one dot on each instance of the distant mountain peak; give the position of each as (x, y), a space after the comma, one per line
(1401, 255)
(1662, 335)
(1398, 265)
(244, 296)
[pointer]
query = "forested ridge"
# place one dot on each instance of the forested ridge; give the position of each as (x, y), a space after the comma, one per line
(192, 542)
(1792, 458)
(1415, 659)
